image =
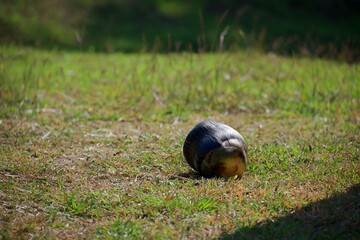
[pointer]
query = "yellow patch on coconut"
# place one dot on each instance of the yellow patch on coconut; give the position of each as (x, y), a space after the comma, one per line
(234, 166)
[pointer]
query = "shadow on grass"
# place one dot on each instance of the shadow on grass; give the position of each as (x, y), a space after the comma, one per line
(191, 175)
(337, 217)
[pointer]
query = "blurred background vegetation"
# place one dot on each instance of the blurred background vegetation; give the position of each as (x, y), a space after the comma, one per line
(319, 28)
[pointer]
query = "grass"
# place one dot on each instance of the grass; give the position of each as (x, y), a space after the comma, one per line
(91, 146)
(306, 28)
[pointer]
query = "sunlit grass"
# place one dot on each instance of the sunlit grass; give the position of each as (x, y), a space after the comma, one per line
(91, 145)
(179, 84)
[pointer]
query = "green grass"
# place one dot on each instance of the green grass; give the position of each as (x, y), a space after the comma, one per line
(306, 28)
(90, 146)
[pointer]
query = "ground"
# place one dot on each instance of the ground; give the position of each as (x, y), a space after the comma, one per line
(91, 146)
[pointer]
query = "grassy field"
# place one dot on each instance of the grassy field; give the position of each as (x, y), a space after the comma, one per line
(324, 29)
(91, 146)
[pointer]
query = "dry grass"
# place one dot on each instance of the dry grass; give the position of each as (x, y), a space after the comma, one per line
(116, 178)
(71, 170)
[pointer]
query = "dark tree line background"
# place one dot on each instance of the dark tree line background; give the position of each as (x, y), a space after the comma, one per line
(320, 28)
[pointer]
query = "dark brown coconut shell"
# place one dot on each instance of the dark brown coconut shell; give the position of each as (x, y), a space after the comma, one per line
(215, 149)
